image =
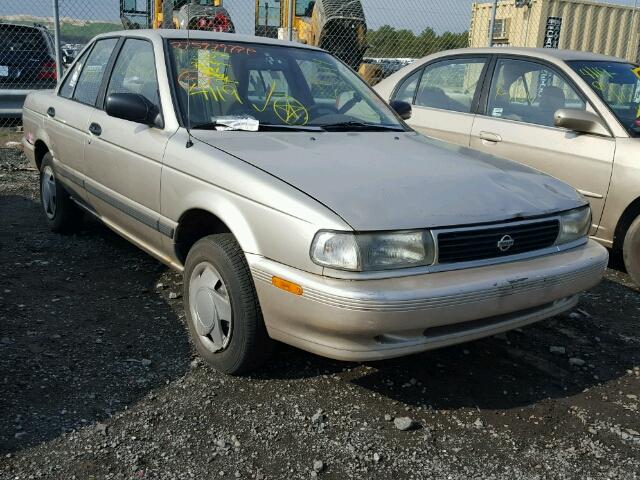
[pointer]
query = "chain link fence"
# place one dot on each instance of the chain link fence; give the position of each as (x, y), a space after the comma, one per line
(376, 37)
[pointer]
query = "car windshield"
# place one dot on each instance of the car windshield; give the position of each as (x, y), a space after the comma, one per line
(273, 86)
(618, 84)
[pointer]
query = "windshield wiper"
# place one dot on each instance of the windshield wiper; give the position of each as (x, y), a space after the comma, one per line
(261, 127)
(353, 125)
(299, 128)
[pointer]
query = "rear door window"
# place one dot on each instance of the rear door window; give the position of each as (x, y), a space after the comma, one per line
(93, 71)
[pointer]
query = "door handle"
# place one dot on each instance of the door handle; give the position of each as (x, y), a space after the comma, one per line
(95, 129)
(490, 137)
(51, 112)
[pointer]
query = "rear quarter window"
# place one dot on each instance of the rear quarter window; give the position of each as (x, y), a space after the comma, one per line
(71, 79)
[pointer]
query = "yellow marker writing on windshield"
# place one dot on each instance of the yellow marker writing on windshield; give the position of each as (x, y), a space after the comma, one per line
(272, 89)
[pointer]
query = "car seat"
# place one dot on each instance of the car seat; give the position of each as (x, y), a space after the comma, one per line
(552, 99)
(434, 97)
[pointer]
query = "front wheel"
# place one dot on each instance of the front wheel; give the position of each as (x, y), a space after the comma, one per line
(631, 251)
(222, 308)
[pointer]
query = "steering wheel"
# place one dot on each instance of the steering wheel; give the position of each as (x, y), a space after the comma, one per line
(321, 110)
(349, 104)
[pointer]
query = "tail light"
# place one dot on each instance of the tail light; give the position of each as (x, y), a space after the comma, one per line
(47, 71)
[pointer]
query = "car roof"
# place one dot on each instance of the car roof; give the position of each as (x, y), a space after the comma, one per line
(180, 34)
(544, 53)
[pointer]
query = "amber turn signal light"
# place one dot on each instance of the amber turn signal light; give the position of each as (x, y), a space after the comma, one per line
(286, 285)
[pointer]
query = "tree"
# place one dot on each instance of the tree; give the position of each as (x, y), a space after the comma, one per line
(386, 41)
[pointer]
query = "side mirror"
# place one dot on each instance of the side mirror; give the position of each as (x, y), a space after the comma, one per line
(135, 108)
(580, 121)
(402, 108)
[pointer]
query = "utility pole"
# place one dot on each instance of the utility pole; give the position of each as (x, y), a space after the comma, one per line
(167, 14)
(635, 14)
(493, 22)
(56, 29)
(290, 20)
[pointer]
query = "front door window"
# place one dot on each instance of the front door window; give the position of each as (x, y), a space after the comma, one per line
(529, 92)
(450, 84)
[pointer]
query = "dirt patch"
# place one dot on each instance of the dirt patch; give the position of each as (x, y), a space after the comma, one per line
(98, 380)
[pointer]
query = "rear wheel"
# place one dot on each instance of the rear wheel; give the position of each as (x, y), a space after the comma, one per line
(631, 251)
(63, 215)
(222, 307)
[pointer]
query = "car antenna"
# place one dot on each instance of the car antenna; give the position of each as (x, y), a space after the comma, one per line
(189, 139)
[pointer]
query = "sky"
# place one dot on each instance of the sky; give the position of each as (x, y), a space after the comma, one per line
(416, 15)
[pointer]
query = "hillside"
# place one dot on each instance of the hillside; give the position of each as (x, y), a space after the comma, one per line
(73, 30)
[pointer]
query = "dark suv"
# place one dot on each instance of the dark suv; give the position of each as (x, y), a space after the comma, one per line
(27, 62)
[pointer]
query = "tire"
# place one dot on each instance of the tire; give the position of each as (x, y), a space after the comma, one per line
(218, 284)
(631, 251)
(62, 214)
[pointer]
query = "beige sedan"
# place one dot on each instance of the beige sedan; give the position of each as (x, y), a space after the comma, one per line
(573, 115)
(297, 204)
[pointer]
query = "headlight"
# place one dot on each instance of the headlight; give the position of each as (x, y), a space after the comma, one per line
(574, 224)
(372, 251)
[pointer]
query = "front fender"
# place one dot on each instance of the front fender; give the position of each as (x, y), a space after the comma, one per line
(267, 216)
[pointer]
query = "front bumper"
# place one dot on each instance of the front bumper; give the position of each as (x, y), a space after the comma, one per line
(360, 320)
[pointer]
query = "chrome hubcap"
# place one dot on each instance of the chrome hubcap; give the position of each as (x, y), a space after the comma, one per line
(210, 307)
(49, 192)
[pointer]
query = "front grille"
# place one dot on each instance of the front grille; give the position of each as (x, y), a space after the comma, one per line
(483, 242)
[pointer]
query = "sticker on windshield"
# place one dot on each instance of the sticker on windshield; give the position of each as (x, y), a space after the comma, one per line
(496, 112)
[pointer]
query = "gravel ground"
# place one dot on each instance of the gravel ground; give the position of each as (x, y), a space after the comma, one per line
(98, 380)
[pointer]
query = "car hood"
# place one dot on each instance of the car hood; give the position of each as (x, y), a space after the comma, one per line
(391, 180)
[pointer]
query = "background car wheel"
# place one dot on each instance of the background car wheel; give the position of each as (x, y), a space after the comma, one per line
(63, 215)
(631, 251)
(222, 308)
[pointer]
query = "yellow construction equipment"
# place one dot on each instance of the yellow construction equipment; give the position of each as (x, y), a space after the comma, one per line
(193, 14)
(338, 26)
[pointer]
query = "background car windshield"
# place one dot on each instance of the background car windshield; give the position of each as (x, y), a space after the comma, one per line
(275, 85)
(618, 84)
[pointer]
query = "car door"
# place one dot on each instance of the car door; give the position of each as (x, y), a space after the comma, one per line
(518, 123)
(444, 94)
(123, 158)
(69, 111)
